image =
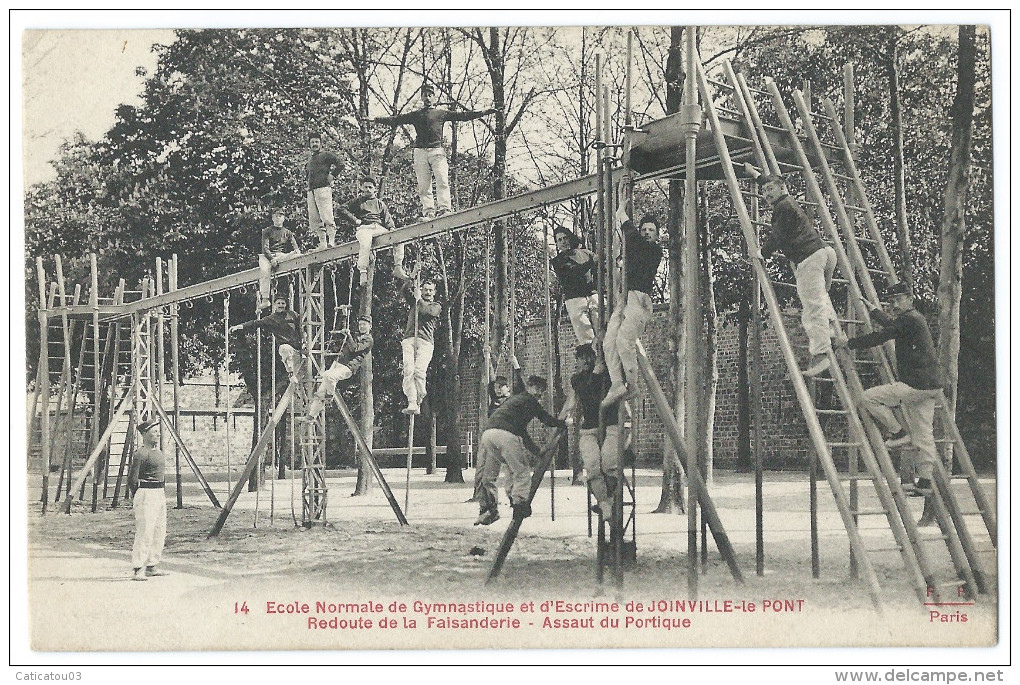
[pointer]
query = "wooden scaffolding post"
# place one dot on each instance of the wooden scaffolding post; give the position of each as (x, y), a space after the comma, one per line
(64, 390)
(690, 125)
(757, 425)
(175, 369)
(44, 382)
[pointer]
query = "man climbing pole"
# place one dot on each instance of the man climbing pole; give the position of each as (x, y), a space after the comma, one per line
(632, 313)
(320, 191)
(813, 264)
(419, 339)
(506, 441)
(917, 391)
(575, 270)
(370, 217)
(499, 387)
(601, 457)
(350, 355)
(285, 324)
(430, 160)
(278, 244)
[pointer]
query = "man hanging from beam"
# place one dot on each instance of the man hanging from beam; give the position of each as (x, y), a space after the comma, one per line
(285, 324)
(813, 264)
(430, 160)
(506, 441)
(633, 312)
(350, 356)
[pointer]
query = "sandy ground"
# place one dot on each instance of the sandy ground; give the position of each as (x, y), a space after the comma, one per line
(329, 581)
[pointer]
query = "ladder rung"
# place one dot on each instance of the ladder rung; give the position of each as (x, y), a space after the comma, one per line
(850, 321)
(721, 84)
(830, 411)
(790, 165)
(894, 548)
(877, 271)
(870, 241)
(869, 512)
(843, 177)
(844, 444)
(933, 538)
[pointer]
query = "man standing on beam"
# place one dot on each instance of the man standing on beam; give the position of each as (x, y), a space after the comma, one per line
(430, 160)
(320, 191)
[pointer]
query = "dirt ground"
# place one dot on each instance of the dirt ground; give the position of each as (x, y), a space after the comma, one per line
(278, 586)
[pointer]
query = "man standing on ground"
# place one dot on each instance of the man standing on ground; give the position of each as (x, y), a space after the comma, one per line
(320, 191)
(146, 482)
(506, 441)
(429, 154)
(920, 385)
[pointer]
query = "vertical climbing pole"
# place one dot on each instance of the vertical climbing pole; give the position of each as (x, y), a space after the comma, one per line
(550, 362)
(44, 382)
(414, 362)
(176, 371)
(226, 379)
(690, 123)
(97, 397)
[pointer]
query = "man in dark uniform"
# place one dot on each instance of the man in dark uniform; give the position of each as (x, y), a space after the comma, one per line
(429, 154)
(286, 326)
(349, 359)
(504, 442)
(919, 387)
(146, 482)
(319, 172)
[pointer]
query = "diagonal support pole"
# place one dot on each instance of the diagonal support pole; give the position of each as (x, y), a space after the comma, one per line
(545, 458)
(711, 515)
(352, 425)
(184, 448)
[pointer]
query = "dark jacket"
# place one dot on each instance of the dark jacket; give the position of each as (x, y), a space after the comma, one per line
(428, 314)
(643, 257)
(916, 362)
(368, 211)
(516, 413)
(319, 166)
(576, 278)
(286, 326)
(353, 354)
(792, 232)
(590, 388)
(428, 123)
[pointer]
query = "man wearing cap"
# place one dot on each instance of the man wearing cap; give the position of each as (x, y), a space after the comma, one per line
(349, 359)
(575, 270)
(813, 264)
(919, 387)
(419, 340)
(320, 191)
(285, 324)
(278, 244)
(370, 217)
(145, 481)
(429, 155)
(506, 441)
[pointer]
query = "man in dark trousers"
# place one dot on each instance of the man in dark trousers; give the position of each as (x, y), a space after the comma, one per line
(418, 343)
(370, 217)
(319, 173)
(285, 324)
(351, 355)
(146, 483)
(813, 264)
(506, 441)
(429, 154)
(920, 385)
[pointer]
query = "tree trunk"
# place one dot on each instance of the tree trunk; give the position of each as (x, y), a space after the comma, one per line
(711, 335)
(899, 182)
(954, 218)
(671, 496)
